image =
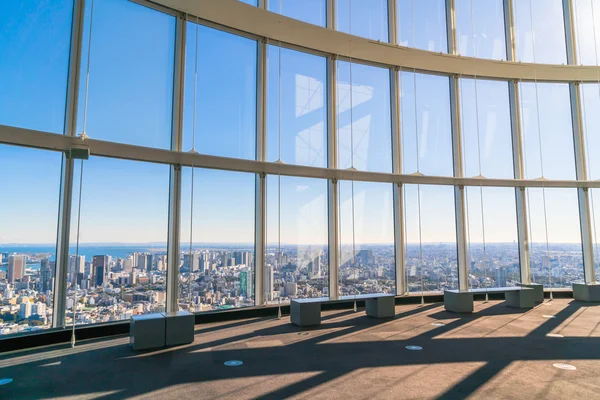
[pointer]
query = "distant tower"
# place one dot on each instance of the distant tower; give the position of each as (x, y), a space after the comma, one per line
(16, 267)
(100, 267)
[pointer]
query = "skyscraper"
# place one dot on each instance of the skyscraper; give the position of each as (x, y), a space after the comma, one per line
(16, 267)
(100, 267)
(269, 283)
(76, 267)
(46, 274)
(191, 262)
(501, 276)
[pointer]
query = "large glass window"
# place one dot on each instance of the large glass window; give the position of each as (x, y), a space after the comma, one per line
(540, 31)
(119, 269)
(363, 18)
(224, 84)
(218, 272)
(311, 11)
(35, 44)
(296, 108)
(555, 239)
(480, 28)
(590, 103)
(296, 260)
(131, 61)
(493, 253)
(547, 132)
(28, 211)
(366, 232)
(430, 234)
(586, 14)
(426, 124)
(422, 24)
(364, 123)
(486, 129)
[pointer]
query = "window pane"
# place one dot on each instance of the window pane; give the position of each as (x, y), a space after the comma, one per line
(480, 28)
(122, 240)
(225, 93)
(251, 2)
(364, 124)
(35, 44)
(560, 256)
(492, 242)
(540, 31)
(422, 24)
(547, 131)
(131, 74)
(296, 108)
(363, 18)
(486, 129)
(222, 226)
(297, 255)
(311, 11)
(590, 104)
(434, 261)
(426, 132)
(595, 200)
(28, 237)
(366, 231)
(586, 14)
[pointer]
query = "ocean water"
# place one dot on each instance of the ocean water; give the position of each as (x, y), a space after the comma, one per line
(89, 251)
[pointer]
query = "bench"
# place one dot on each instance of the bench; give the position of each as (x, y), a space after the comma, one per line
(307, 312)
(462, 301)
(588, 292)
(157, 330)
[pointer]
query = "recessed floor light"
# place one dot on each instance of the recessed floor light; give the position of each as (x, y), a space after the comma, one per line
(414, 348)
(568, 367)
(554, 335)
(233, 363)
(549, 316)
(438, 324)
(5, 381)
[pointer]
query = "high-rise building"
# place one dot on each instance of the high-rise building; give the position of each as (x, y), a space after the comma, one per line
(100, 269)
(46, 274)
(191, 262)
(290, 289)
(149, 262)
(314, 267)
(16, 267)
(25, 310)
(76, 267)
(141, 261)
(269, 283)
(501, 276)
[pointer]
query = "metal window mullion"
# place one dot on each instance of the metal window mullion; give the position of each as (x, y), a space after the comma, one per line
(66, 180)
(587, 242)
(175, 174)
(569, 32)
(260, 199)
(398, 187)
(520, 192)
(451, 26)
(392, 32)
(459, 190)
(509, 31)
(330, 14)
(332, 184)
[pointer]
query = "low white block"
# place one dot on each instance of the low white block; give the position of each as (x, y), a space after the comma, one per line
(147, 331)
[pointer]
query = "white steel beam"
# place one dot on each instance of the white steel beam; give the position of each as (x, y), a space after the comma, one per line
(587, 241)
(398, 188)
(520, 192)
(256, 21)
(451, 27)
(174, 223)
(260, 214)
(459, 190)
(66, 180)
(332, 183)
(511, 51)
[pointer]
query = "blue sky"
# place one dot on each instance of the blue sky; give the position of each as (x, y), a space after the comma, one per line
(130, 99)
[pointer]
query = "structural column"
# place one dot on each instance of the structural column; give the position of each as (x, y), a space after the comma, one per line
(450, 27)
(459, 190)
(520, 192)
(332, 184)
(173, 239)
(398, 187)
(66, 180)
(261, 178)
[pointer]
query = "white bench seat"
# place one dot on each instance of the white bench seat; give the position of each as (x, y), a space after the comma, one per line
(462, 301)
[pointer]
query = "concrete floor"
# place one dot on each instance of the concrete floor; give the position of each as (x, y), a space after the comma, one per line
(497, 352)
